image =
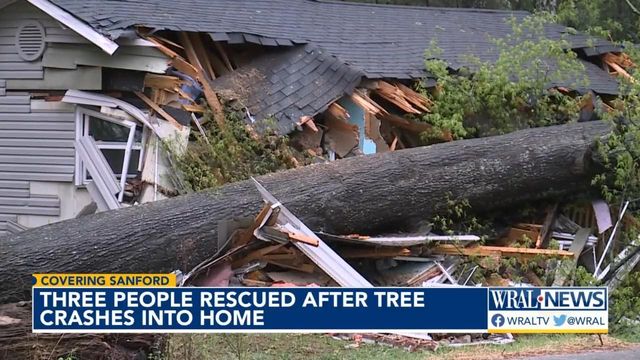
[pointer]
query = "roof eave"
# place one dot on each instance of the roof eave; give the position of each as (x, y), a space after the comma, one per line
(84, 30)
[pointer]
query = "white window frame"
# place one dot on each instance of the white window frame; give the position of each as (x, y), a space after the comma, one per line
(82, 129)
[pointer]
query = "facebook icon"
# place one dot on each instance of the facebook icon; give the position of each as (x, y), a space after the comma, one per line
(497, 320)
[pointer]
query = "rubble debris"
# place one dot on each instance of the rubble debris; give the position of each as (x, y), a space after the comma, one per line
(523, 253)
(623, 210)
(403, 97)
(305, 190)
(566, 266)
(397, 239)
(602, 214)
(321, 254)
(403, 341)
(623, 269)
(618, 64)
(545, 232)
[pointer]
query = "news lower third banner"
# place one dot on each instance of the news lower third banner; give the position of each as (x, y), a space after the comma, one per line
(111, 303)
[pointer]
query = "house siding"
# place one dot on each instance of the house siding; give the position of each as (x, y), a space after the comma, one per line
(36, 145)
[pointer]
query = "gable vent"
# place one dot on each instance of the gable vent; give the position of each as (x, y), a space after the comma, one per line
(30, 40)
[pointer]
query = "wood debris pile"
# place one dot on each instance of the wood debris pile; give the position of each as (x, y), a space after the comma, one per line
(275, 249)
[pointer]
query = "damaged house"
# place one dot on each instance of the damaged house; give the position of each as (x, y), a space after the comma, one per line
(87, 88)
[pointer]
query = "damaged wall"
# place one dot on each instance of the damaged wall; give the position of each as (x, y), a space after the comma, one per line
(37, 155)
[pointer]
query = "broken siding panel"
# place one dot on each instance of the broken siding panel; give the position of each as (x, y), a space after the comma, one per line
(82, 78)
(70, 56)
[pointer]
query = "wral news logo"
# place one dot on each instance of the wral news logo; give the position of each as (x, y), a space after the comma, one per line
(548, 299)
(548, 310)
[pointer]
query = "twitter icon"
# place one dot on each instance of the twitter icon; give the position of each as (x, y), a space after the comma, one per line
(559, 320)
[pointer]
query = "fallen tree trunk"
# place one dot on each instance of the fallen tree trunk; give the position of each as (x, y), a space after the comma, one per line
(18, 342)
(359, 194)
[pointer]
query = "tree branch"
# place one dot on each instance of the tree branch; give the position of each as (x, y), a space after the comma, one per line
(633, 8)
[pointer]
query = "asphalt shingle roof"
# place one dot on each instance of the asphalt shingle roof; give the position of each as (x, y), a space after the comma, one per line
(322, 49)
(380, 40)
(288, 83)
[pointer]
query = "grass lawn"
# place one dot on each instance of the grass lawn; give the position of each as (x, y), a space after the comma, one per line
(320, 346)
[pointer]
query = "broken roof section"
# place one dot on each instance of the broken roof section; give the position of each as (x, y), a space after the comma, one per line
(289, 83)
(382, 41)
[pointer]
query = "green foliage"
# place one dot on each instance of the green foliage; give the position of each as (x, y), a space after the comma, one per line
(511, 93)
(582, 277)
(624, 313)
(455, 219)
(619, 153)
(610, 19)
(233, 153)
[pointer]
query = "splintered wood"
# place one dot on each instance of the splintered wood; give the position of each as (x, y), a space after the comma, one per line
(619, 64)
(341, 136)
(158, 109)
(403, 97)
(523, 253)
(364, 101)
(199, 67)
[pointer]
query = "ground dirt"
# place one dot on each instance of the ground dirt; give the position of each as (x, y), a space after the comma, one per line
(321, 346)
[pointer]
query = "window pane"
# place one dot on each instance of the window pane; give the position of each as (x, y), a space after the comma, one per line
(103, 130)
(115, 158)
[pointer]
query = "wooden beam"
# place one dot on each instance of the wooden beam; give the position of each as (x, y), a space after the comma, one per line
(362, 100)
(223, 55)
(162, 48)
(192, 57)
(165, 82)
(450, 249)
(396, 96)
(193, 108)
(247, 234)
(545, 232)
(202, 54)
(158, 109)
(364, 253)
(197, 73)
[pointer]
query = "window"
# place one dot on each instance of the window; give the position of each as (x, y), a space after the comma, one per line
(120, 141)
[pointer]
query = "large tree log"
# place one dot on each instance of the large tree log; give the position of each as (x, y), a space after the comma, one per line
(359, 194)
(18, 342)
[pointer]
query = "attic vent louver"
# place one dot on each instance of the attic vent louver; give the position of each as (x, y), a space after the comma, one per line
(30, 40)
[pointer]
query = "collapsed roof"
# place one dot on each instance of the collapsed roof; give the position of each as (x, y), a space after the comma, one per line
(382, 41)
(376, 41)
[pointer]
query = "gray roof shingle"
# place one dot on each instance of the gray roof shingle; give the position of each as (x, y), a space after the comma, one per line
(382, 41)
(344, 42)
(289, 83)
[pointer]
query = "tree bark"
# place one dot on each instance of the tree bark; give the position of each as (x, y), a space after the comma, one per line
(18, 342)
(356, 195)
